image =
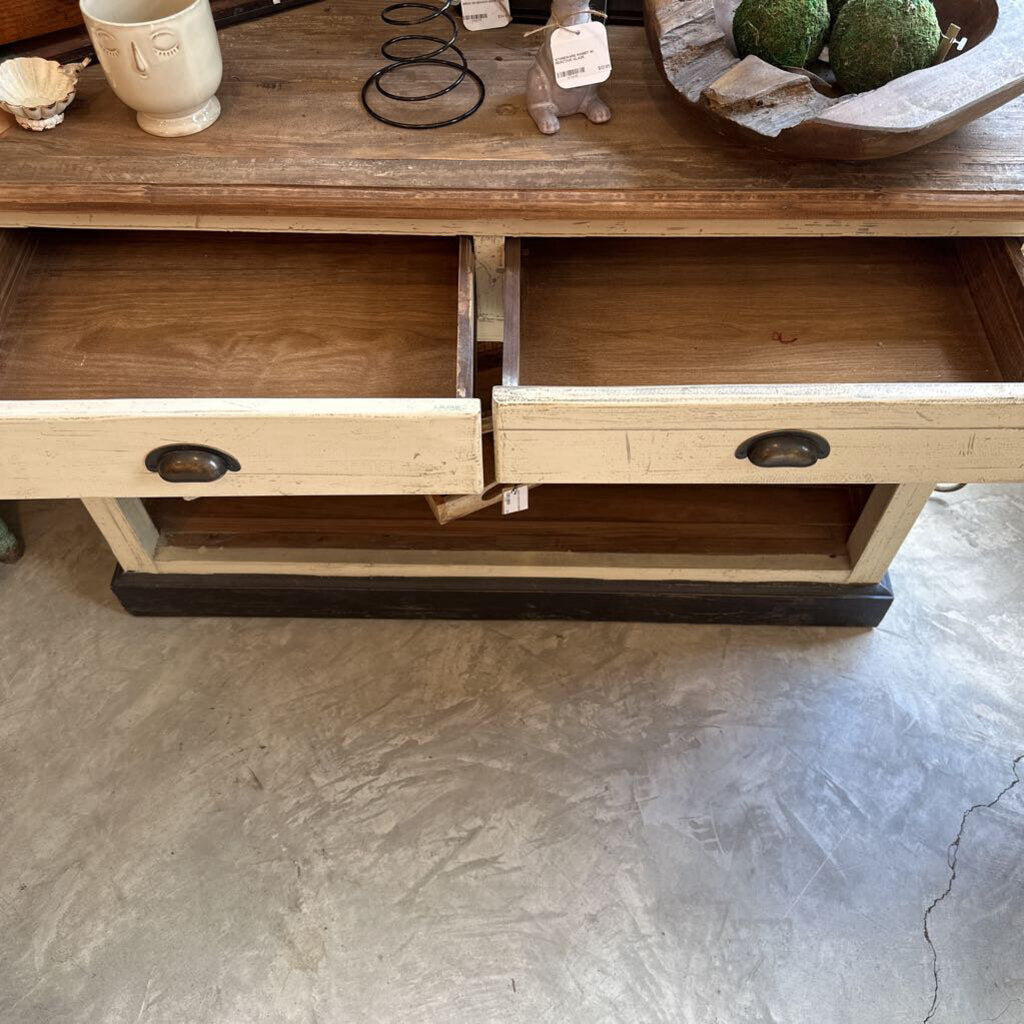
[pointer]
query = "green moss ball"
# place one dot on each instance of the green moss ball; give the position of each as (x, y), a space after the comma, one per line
(786, 33)
(875, 41)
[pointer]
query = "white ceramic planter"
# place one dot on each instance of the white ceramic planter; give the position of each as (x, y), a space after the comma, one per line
(162, 58)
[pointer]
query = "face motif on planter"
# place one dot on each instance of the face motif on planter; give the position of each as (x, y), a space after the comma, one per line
(140, 52)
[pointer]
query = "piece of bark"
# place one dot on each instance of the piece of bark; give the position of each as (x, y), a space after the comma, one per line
(694, 50)
(757, 95)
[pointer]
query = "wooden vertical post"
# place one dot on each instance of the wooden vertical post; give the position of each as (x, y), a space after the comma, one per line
(887, 518)
(128, 530)
(489, 251)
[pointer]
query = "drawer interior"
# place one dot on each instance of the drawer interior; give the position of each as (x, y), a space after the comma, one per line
(652, 312)
(119, 314)
(729, 520)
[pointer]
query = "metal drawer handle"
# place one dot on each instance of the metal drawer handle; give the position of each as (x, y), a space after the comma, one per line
(190, 464)
(781, 448)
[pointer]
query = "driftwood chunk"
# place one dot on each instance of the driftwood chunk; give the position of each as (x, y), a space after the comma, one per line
(767, 99)
(694, 52)
(783, 113)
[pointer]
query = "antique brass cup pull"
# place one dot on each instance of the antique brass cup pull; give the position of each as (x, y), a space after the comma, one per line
(784, 448)
(190, 464)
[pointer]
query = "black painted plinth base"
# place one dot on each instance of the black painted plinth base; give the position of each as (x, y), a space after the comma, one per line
(783, 604)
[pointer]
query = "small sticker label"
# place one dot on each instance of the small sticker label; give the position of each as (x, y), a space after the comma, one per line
(480, 14)
(580, 55)
(515, 499)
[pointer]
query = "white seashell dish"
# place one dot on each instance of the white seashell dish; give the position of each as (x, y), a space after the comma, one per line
(38, 91)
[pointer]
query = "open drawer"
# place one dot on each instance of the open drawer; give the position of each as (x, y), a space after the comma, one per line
(148, 364)
(830, 360)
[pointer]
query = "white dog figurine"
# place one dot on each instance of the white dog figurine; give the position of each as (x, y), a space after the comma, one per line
(546, 100)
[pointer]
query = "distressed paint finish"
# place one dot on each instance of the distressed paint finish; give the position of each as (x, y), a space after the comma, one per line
(879, 433)
(887, 518)
(283, 821)
(128, 530)
(807, 568)
(285, 446)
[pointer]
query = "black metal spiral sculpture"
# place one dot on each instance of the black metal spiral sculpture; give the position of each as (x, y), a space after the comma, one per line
(425, 13)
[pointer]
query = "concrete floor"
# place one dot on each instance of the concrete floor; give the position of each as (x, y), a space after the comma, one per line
(459, 823)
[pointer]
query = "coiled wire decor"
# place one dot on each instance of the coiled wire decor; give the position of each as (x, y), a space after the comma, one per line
(411, 14)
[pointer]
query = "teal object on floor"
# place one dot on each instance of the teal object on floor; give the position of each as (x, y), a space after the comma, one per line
(10, 546)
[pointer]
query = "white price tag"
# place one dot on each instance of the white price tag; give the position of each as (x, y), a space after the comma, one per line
(580, 55)
(480, 14)
(515, 499)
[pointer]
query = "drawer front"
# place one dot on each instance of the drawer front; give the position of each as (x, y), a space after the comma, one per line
(879, 433)
(281, 446)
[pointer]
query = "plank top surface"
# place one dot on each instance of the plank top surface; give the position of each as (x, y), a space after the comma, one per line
(294, 144)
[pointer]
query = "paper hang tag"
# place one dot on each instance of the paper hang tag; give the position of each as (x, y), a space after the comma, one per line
(480, 14)
(515, 499)
(580, 55)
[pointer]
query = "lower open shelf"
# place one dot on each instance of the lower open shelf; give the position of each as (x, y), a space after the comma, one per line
(685, 532)
(796, 555)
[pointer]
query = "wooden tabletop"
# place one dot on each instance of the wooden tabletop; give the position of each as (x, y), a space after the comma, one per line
(294, 149)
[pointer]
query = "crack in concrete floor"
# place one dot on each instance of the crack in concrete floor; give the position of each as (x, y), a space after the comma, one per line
(952, 854)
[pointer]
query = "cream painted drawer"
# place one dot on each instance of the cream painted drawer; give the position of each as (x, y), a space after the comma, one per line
(668, 361)
(307, 364)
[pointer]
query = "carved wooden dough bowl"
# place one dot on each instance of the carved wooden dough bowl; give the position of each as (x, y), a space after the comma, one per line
(783, 111)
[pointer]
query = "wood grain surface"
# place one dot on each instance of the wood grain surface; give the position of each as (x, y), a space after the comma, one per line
(637, 312)
(994, 269)
(642, 519)
(16, 250)
(20, 19)
(294, 148)
(141, 315)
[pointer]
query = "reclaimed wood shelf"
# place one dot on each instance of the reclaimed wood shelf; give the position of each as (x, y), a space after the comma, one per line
(655, 169)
